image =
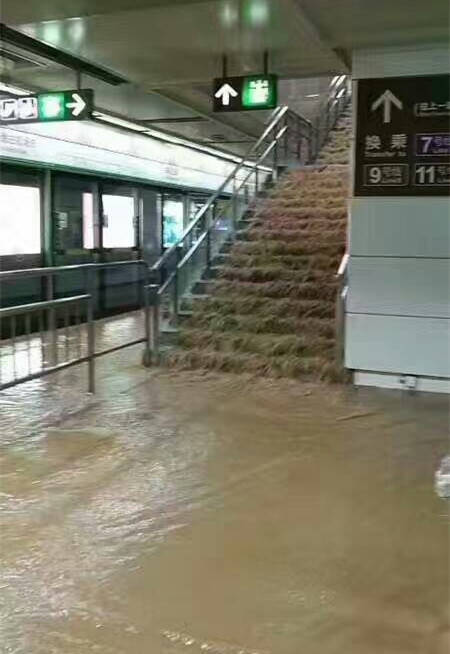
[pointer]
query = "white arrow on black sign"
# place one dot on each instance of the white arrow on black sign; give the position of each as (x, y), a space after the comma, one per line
(78, 105)
(387, 99)
(225, 92)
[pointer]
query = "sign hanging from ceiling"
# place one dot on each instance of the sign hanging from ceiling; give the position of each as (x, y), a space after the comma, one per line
(245, 93)
(403, 136)
(47, 107)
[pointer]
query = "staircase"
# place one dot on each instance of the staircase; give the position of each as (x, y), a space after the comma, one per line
(267, 305)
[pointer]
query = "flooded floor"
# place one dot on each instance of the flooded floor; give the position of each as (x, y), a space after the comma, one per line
(179, 513)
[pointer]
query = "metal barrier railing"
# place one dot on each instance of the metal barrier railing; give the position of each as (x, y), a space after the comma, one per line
(15, 352)
(19, 351)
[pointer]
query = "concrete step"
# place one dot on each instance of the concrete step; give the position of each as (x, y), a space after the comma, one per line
(271, 323)
(262, 344)
(275, 289)
(235, 303)
(269, 273)
(202, 287)
(307, 368)
(212, 272)
(221, 259)
(190, 299)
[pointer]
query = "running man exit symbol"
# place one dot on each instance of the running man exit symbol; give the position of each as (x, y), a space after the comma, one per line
(245, 93)
(386, 100)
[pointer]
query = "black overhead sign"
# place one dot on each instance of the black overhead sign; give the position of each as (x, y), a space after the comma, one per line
(47, 107)
(403, 136)
(245, 93)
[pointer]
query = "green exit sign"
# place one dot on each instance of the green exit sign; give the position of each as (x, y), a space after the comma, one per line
(47, 107)
(259, 92)
(245, 93)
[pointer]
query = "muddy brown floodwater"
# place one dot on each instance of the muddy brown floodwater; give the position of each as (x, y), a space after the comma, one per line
(183, 513)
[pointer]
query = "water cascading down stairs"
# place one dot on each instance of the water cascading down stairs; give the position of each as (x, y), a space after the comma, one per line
(268, 304)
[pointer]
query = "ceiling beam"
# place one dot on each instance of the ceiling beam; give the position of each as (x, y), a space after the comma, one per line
(318, 36)
(50, 53)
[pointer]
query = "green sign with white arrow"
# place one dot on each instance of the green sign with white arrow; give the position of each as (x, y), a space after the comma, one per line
(245, 93)
(47, 107)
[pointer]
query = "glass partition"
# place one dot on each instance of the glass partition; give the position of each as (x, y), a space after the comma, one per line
(173, 220)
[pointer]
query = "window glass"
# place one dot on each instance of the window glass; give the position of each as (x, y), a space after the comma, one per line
(118, 221)
(20, 220)
(88, 221)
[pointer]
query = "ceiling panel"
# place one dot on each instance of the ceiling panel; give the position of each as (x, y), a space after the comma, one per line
(15, 13)
(362, 23)
(178, 43)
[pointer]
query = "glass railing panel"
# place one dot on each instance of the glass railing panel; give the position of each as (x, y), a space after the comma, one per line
(191, 269)
(168, 303)
(222, 229)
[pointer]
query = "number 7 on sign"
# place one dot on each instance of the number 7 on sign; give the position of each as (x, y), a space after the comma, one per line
(426, 142)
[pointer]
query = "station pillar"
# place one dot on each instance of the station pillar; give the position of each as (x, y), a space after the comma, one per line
(398, 301)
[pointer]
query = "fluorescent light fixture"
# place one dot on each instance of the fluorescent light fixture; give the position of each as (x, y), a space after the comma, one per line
(15, 90)
(341, 93)
(334, 80)
(312, 95)
(113, 120)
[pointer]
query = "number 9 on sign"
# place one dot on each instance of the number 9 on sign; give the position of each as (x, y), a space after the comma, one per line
(375, 175)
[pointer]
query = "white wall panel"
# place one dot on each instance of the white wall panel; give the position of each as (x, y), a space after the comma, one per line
(387, 380)
(414, 346)
(423, 59)
(412, 287)
(411, 227)
(398, 319)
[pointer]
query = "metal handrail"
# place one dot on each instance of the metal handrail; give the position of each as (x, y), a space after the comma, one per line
(279, 113)
(18, 310)
(314, 134)
(336, 99)
(52, 305)
(200, 240)
(55, 270)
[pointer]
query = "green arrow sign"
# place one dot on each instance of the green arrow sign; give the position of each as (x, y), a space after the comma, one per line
(47, 107)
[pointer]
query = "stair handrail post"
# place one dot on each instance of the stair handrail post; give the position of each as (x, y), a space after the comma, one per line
(152, 320)
(175, 286)
(234, 198)
(341, 296)
(91, 344)
(210, 220)
(286, 143)
(275, 162)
